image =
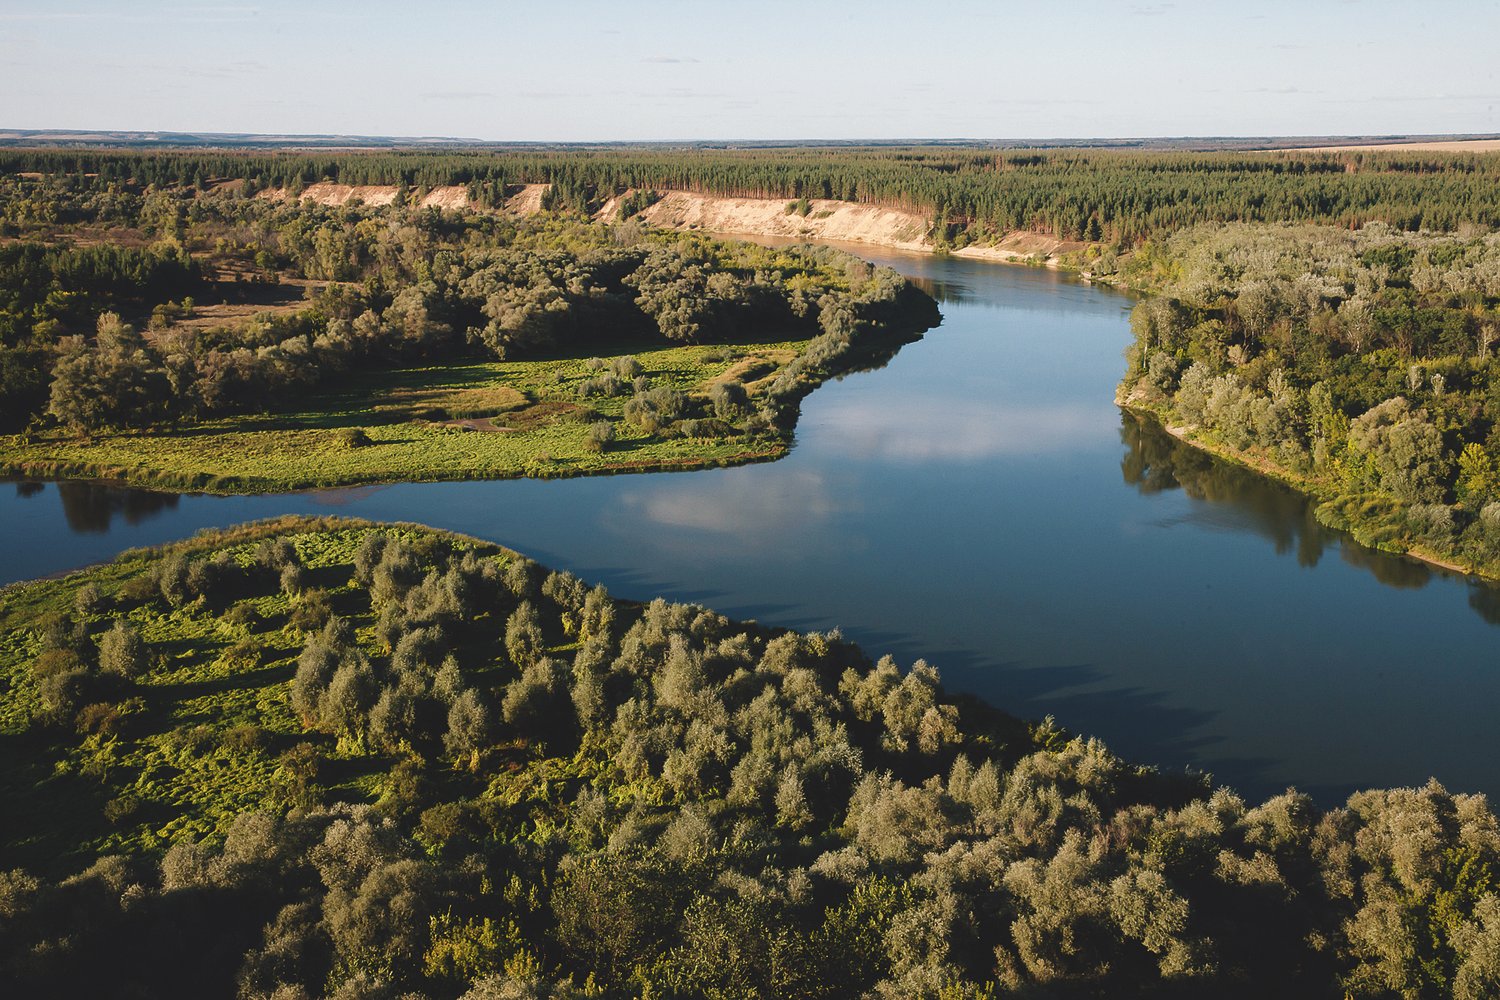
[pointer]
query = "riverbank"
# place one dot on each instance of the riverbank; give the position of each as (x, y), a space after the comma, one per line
(842, 221)
(816, 220)
(1370, 533)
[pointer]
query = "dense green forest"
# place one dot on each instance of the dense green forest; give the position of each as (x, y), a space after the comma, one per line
(1359, 364)
(972, 195)
(308, 758)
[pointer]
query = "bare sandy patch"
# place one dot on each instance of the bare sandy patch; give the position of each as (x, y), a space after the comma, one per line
(479, 402)
(827, 220)
(1022, 246)
(743, 370)
(450, 196)
(527, 201)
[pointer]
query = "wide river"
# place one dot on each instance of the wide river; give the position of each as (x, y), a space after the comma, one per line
(981, 503)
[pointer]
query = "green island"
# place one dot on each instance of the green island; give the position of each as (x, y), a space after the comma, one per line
(334, 758)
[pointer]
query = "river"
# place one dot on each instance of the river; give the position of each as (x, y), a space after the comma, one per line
(981, 503)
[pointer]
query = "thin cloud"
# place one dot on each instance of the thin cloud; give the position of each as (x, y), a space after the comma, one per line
(194, 15)
(669, 60)
(459, 95)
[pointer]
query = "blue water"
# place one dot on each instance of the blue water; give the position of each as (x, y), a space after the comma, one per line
(981, 503)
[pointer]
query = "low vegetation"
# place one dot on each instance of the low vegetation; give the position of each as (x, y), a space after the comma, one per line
(309, 758)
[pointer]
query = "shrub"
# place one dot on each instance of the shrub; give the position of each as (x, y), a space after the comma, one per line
(293, 580)
(119, 809)
(626, 367)
(640, 412)
(121, 651)
(89, 600)
(729, 399)
(601, 385)
(246, 738)
(600, 434)
(353, 437)
(51, 662)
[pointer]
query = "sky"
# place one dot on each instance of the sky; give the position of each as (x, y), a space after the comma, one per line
(664, 70)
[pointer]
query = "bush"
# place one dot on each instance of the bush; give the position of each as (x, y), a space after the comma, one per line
(89, 600)
(353, 437)
(601, 385)
(600, 434)
(121, 651)
(640, 412)
(246, 738)
(729, 399)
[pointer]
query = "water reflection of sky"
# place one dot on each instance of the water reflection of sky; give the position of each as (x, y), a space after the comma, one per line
(933, 429)
(979, 502)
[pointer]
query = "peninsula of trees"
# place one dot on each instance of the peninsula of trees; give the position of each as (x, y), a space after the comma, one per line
(331, 758)
(234, 344)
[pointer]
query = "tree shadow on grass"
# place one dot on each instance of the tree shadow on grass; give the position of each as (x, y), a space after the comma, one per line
(254, 678)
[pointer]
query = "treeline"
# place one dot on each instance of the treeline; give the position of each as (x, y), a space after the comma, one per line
(1360, 362)
(470, 776)
(1117, 197)
(403, 285)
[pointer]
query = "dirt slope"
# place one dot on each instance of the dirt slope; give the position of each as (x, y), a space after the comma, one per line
(828, 220)
(527, 201)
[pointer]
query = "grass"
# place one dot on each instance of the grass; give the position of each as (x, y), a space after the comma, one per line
(177, 767)
(476, 420)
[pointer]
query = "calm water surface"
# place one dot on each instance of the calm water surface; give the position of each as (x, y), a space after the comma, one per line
(981, 503)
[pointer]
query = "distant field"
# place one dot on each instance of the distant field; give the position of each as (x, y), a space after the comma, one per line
(1437, 146)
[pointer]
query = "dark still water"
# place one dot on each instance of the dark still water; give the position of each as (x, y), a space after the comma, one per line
(981, 503)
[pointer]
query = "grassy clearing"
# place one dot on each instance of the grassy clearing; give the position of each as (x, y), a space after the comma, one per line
(478, 420)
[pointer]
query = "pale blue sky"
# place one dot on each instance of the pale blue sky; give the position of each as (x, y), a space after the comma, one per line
(659, 69)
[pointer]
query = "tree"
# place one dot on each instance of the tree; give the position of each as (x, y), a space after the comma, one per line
(523, 635)
(1404, 449)
(121, 650)
(468, 725)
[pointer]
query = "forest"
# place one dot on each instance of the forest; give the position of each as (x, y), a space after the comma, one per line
(333, 758)
(972, 195)
(1357, 364)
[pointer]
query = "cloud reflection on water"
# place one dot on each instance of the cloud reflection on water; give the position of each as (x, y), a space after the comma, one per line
(948, 430)
(746, 512)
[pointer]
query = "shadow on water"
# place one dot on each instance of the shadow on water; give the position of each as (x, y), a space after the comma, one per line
(945, 292)
(1090, 701)
(91, 508)
(1237, 499)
